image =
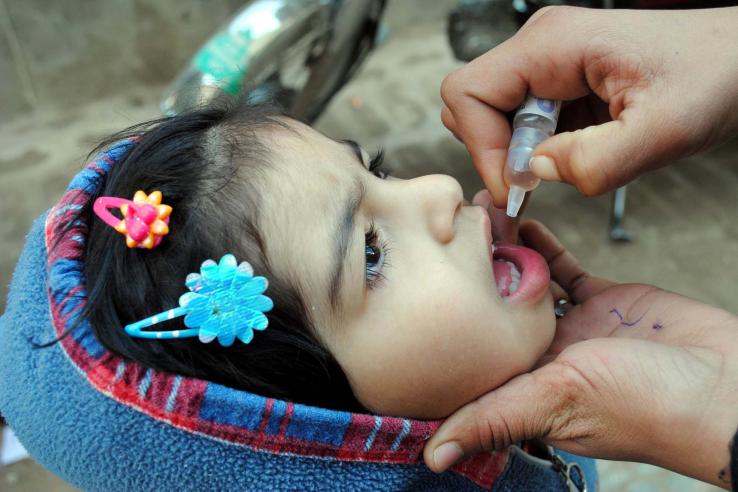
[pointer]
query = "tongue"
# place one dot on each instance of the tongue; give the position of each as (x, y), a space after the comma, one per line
(503, 277)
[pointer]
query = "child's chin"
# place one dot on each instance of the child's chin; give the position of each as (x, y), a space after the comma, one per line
(542, 327)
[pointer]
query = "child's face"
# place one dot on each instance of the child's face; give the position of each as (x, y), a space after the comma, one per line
(413, 315)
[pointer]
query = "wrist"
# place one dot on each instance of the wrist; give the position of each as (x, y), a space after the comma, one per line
(696, 436)
(704, 453)
(708, 458)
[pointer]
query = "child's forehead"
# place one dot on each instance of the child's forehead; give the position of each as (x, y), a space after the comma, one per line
(309, 184)
(298, 137)
(306, 162)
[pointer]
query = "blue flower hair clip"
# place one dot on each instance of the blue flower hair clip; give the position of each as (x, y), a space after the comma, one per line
(225, 302)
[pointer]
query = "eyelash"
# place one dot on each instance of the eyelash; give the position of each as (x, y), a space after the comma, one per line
(372, 239)
(376, 165)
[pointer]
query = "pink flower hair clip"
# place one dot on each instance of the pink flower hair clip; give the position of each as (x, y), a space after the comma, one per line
(145, 220)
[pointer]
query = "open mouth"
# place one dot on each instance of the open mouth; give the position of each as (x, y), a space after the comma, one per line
(507, 276)
(520, 273)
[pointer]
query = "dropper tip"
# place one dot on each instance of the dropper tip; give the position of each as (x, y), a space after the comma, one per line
(515, 198)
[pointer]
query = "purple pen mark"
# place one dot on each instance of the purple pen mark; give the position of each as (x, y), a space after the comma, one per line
(622, 320)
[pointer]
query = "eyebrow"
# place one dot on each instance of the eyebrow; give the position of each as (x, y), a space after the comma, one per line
(344, 229)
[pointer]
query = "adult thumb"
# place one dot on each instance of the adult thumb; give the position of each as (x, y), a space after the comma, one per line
(599, 158)
(524, 408)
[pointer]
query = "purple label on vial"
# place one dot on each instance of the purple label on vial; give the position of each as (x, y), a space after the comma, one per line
(546, 105)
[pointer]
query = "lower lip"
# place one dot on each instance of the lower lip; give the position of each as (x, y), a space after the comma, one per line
(534, 274)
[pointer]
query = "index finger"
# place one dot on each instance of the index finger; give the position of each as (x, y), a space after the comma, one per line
(482, 127)
(565, 269)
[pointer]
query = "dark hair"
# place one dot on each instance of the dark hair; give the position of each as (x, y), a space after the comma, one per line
(209, 165)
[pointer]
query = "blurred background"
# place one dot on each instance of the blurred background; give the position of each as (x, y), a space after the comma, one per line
(72, 72)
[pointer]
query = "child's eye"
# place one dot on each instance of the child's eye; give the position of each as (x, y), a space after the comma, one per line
(375, 257)
(375, 166)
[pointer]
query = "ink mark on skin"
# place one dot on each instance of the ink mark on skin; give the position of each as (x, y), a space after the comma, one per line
(723, 476)
(622, 320)
(657, 325)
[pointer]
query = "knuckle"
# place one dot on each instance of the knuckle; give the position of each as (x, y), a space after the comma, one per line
(550, 14)
(543, 13)
(588, 190)
(482, 435)
(578, 280)
(446, 118)
(557, 256)
(491, 430)
(449, 86)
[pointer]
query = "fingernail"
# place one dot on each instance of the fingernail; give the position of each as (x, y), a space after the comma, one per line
(545, 168)
(446, 455)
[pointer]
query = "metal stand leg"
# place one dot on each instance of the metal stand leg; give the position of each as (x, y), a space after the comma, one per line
(617, 233)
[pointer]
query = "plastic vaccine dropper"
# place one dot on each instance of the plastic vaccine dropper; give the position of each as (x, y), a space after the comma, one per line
(534, 122)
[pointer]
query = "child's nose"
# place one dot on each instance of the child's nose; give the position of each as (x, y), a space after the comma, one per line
(439, 198)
